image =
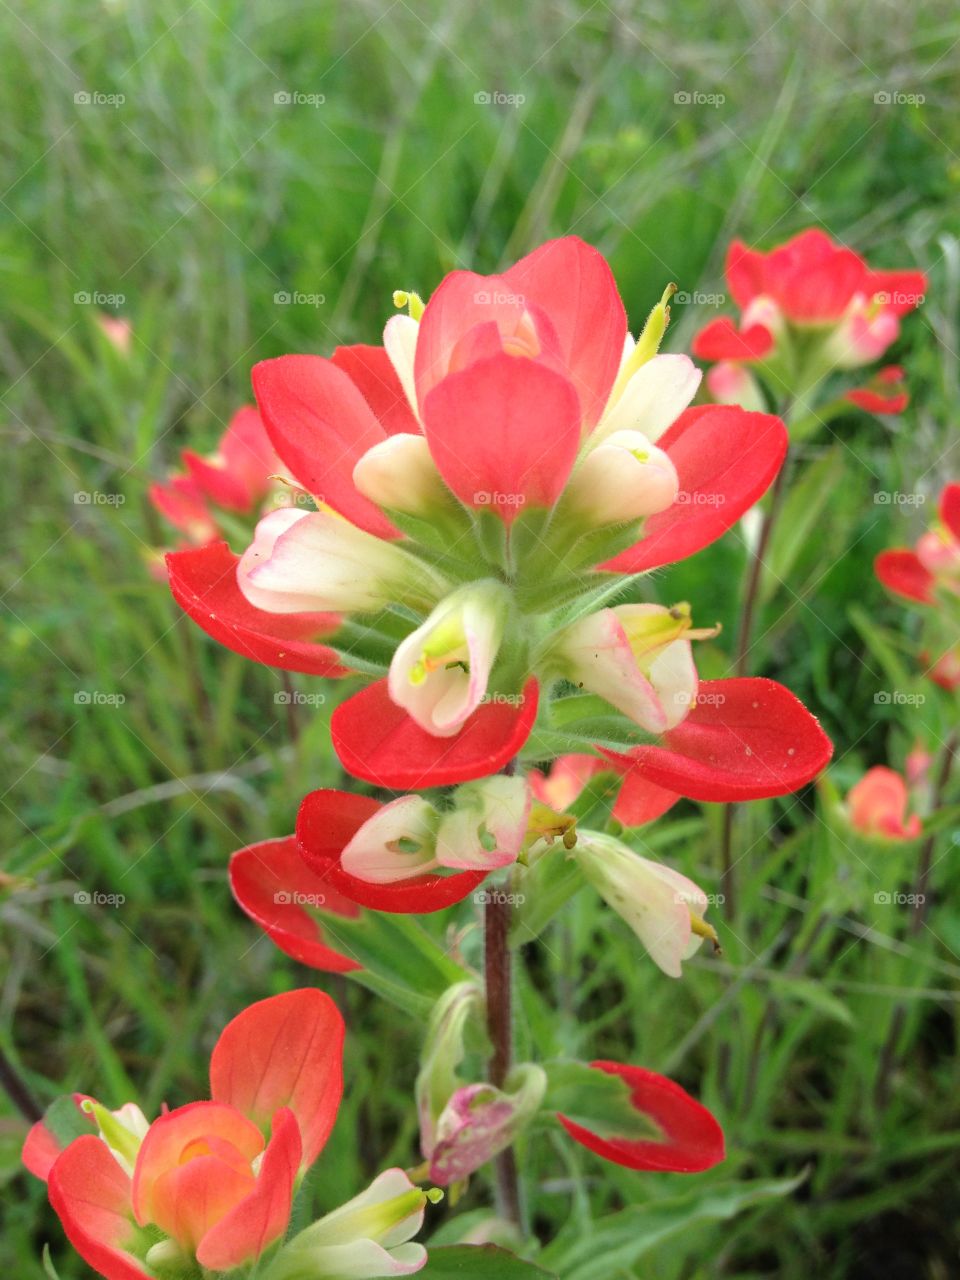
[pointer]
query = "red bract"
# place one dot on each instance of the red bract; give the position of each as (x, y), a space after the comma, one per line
(274, 886)
(377, 741)
(745, 739)
(204, 583)
(813, 279)
(877, 806)
(886, 392)
(722, 340)
(639, 801)
(235, 478)
(726, 460)
(214, 1178)
(692, 1139)
(934, 564)
(325, 825)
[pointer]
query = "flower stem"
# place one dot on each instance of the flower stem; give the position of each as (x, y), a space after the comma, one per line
(744, 638)
(496, 925)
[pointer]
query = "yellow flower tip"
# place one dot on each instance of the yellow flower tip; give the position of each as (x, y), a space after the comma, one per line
(700, 927)
(406, 298)
(434, 1194)
(418, 672)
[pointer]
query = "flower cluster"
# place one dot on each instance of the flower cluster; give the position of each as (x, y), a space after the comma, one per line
(809, 307)
(211, 1184)
(929, 575)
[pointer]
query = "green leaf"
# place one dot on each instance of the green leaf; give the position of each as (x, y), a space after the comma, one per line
(619, 1240)
(485, 1262)
(401, 962)
(48, 1268)
(595, 1099)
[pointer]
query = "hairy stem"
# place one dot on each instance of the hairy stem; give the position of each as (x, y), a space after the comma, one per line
(496, 925)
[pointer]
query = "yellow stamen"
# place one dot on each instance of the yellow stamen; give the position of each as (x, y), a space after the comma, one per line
(412, 301)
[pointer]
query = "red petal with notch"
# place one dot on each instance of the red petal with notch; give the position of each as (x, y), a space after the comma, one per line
(692, 1141)
(378, 742)
(286, 1051)
(875, 402)
(571, 281)
(371, 370)
(950, 508)
(747, 738)
(90, 1194)
(722, 340)
(326, 823)
(504, 433)
(462, 301)
(262, 1217)
(726, 459)
(270, 881)
(203, 581)
(320, 424)
(901, 572)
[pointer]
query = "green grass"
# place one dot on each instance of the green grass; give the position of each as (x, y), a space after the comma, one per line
(198, 199)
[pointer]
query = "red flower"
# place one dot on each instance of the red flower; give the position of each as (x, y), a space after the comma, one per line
(467, 425)
(810, 282)
(877, 806)
(935, 562)
(210, 1180)
(235, 478)
(886, 392)
(691, 1140)
(274, 886)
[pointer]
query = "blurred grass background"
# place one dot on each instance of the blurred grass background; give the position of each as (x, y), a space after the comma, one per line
(198, 199)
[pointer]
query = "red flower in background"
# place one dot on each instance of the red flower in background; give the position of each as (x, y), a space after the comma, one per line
(886, 392)
(210, 1181)
(934, 563)
(877, 806)
(687, 1138)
